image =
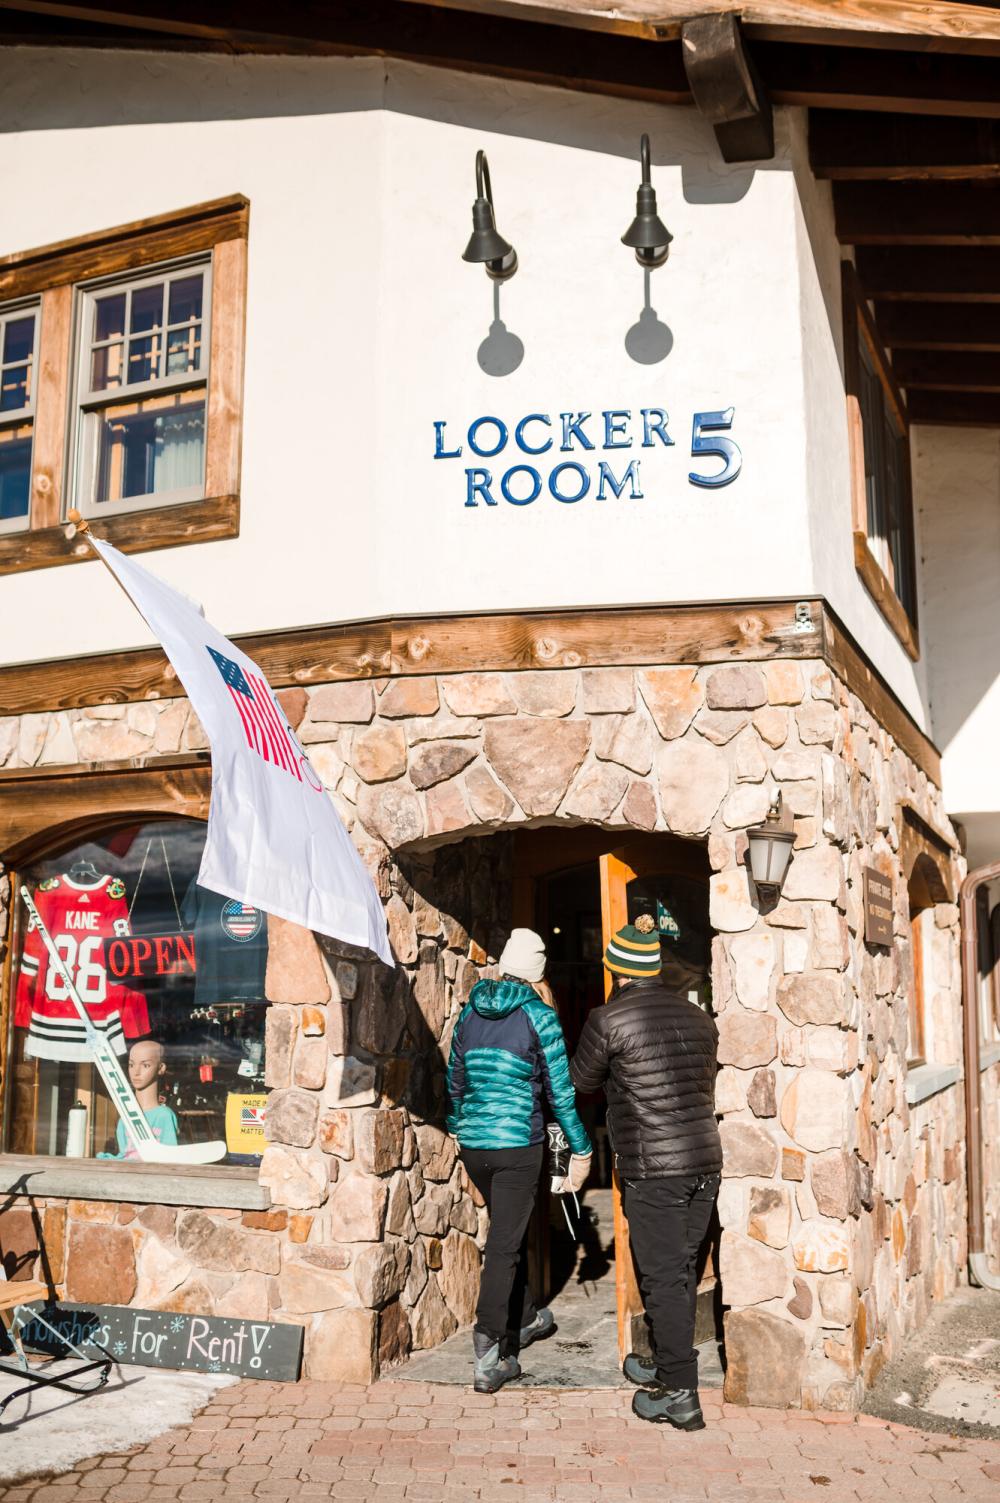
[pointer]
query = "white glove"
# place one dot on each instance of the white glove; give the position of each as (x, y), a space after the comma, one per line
(579, 1169)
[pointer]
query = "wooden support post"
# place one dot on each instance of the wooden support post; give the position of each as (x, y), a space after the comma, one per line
(727, 88)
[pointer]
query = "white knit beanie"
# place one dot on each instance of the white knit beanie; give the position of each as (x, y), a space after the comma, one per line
(523, 955)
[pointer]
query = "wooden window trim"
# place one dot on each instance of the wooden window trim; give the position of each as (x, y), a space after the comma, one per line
(51, 272)
(858, 324)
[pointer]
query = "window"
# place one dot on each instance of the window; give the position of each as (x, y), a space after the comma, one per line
(920, 991)
(142, 387)
(884, 549)
(18, 364)
(121, 371)
(170, 973)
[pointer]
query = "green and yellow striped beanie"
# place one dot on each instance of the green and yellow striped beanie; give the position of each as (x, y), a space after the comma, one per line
(635, 950)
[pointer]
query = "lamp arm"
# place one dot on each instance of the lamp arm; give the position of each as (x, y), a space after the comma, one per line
(644, 156)
(483, 178)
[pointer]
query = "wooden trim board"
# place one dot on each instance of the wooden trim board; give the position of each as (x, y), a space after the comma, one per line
(132, 532)
(55, 804)
(387, 648)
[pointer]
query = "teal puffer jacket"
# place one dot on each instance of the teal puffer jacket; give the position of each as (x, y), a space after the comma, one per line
(507, 1053)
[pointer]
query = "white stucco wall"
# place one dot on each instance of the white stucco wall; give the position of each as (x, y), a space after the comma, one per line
(956, 485)
(364, 326)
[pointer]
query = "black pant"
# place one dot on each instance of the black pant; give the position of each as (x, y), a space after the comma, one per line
(667, 1222)
(507, 1179)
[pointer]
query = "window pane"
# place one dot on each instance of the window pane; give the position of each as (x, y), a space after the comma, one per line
(15, 472)
(144, 358)
(147, 308)
(174, 977)
(15, 387)
(185, 299)
(109, 316)
(184, 349)
(19, 339)
(152, 447)
(106, 367)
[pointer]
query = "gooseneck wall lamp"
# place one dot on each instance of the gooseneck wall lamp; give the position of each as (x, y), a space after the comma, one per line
(485, 244)
(647, 235)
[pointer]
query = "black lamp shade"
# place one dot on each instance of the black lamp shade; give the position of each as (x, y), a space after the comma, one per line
(485, 242)
(647, 235)
(486, 246)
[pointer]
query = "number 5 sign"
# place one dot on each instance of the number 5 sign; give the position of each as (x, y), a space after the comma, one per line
(723, 448)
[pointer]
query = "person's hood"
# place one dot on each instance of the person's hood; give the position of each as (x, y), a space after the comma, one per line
(495, 999)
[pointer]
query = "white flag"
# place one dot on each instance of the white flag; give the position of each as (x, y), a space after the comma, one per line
(274, 837)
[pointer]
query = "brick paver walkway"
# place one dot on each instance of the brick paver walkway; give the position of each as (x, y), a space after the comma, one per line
(417, 1443)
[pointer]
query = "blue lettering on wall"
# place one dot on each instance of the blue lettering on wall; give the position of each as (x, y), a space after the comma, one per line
(536, 485)
(630, 478)
(478, 482)
(572, 427)
(501, 442)
(519, 439)
(615, 424)
(571, 480)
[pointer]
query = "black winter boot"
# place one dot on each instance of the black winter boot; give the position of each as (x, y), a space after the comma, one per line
(491, 1370)
(669, 1406)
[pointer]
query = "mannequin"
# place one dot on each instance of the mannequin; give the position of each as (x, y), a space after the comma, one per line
(146, 1069)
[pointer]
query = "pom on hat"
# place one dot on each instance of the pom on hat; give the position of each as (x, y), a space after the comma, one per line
(635, 950)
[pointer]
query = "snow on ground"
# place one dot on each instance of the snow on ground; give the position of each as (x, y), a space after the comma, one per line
(50, 1430)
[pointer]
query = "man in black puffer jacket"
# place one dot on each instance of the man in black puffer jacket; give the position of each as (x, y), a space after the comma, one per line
(655, 1054)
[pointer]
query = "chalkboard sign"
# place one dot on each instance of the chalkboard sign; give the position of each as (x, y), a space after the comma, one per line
(159, 1338)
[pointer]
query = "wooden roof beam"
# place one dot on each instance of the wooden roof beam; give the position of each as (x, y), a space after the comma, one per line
(869, 146)
(856, 78)
(938, 326)
(940, 25)
(918, 213)
(955, 409)
(727, 88)
(947, 370)
(964, 274)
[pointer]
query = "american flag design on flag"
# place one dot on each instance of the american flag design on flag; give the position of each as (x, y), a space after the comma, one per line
(263, 724)
(252, 1116)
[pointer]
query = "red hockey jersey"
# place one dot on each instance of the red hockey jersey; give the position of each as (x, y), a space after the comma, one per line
(80, 917)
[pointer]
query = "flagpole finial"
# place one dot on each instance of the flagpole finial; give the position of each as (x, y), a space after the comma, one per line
(78, 523)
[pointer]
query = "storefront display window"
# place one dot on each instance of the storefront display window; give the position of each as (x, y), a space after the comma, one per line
(170, 973)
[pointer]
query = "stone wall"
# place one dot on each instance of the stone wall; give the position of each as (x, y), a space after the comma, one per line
(842, 1210)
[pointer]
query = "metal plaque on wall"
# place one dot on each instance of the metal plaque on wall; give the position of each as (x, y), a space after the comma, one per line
(161, 1338)
(878, 907)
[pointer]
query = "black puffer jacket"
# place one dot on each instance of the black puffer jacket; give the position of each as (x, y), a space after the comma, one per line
(654, 1053)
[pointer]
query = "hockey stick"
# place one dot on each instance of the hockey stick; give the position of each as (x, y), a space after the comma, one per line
(146, 1144)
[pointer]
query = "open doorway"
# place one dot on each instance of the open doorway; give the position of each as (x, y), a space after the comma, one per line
(576, 887)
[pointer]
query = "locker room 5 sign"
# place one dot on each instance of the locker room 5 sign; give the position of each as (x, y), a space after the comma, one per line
(546, 456)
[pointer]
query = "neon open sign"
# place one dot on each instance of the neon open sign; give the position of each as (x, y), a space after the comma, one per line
(543, 439)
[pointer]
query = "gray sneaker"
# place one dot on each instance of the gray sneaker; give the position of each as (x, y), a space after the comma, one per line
(669, 1406)
(543, 1325)
(639, 1371)
(491, 1370)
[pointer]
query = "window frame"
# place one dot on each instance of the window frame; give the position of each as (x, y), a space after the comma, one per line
(84, 466)
(217, 231)
(874, 565)
(14, 417)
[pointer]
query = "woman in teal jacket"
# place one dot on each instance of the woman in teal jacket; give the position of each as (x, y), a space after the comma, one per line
(507, 1056)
